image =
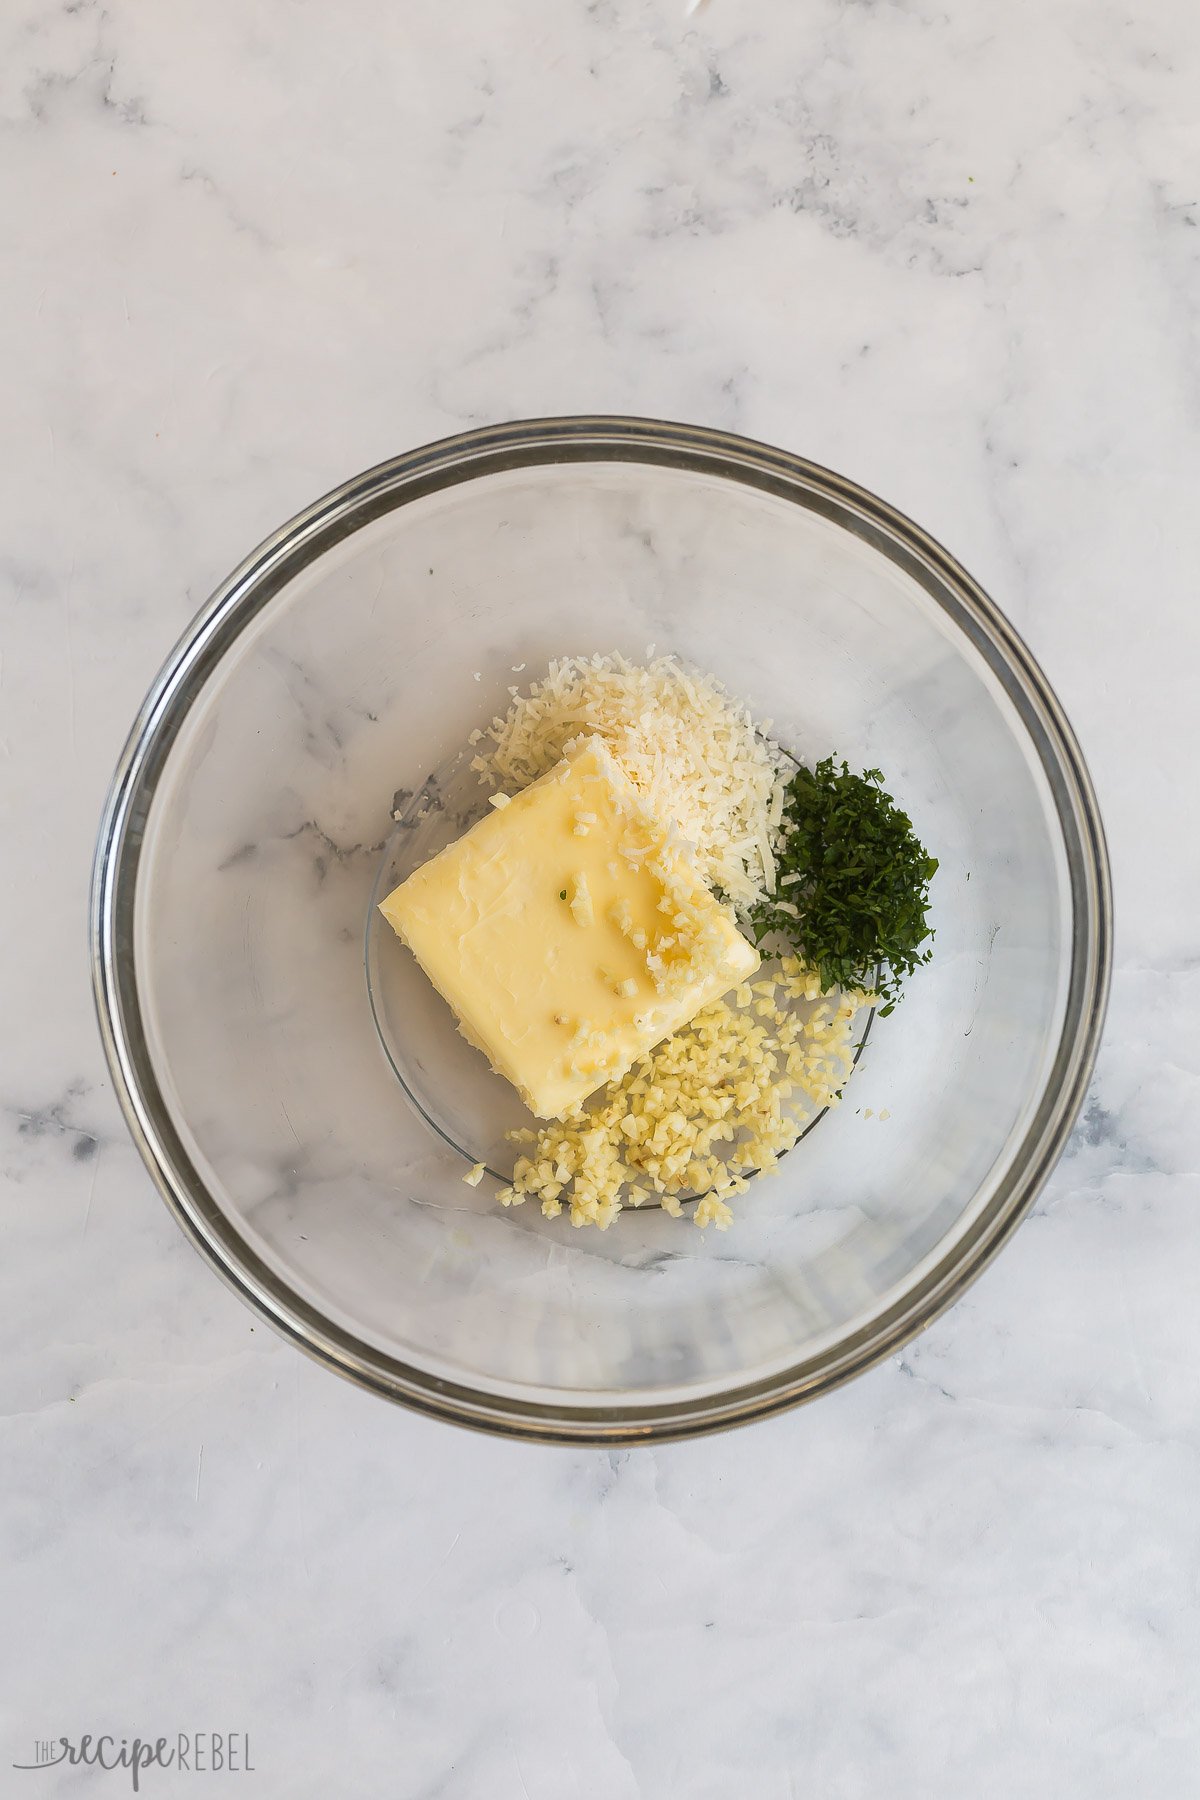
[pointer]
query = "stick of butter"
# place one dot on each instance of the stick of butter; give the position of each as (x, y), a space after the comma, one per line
(568, 932)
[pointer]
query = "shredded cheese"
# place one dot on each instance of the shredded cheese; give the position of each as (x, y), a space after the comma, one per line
(692, 752)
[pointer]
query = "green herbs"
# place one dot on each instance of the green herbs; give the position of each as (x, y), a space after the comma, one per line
(852, 882)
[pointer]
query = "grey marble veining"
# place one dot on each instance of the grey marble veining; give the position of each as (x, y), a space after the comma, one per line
(952, 252)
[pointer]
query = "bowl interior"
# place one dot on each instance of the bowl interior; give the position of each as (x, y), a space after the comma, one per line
(366, 671)
(449, 1082)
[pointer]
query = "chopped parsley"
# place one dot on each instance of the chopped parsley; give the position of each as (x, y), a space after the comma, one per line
(852, 882)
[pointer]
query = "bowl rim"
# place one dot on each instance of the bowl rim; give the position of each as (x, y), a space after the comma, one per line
(443, 464)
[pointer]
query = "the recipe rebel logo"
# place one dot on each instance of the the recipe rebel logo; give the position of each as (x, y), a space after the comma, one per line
(192, 1752)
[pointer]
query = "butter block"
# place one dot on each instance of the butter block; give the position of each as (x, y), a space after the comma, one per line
(568, 932)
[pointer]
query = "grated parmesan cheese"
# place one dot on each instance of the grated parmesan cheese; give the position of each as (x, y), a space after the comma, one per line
(692, 752)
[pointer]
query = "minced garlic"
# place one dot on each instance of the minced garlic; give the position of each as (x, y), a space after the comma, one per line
(704, 1110)
(581, 901)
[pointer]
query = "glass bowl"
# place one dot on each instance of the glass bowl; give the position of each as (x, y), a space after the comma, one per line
(346, 660)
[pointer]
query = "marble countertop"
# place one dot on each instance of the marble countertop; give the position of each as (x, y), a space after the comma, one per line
(950, 251)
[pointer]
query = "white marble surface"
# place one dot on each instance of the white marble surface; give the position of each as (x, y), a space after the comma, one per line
(252, 246)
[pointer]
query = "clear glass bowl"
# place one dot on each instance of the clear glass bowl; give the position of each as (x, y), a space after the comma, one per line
(349, 657)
